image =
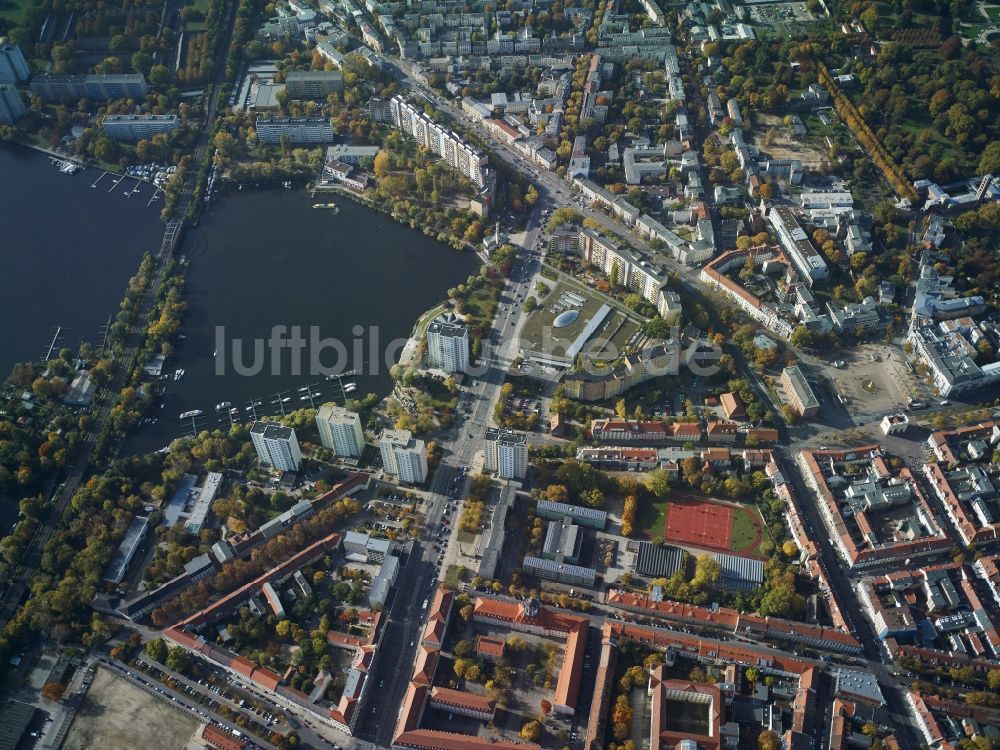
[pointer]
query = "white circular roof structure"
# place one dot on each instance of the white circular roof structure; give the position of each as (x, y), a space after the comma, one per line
(565, 318)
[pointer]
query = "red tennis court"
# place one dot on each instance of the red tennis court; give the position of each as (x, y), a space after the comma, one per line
(699, 523)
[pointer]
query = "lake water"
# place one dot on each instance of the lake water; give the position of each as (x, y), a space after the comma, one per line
(67, 252)
(266, 259)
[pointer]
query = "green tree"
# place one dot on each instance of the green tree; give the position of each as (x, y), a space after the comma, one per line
(157, 650)
(177, 659)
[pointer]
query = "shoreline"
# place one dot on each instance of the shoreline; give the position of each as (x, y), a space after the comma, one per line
(77, 160)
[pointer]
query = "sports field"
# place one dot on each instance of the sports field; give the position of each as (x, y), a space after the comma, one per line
(709, 524)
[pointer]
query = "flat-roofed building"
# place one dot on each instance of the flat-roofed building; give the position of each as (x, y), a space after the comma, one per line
(276, 445)
(506, 453)
(137, 127)
(98, 87)
(795, 241)
(403, 456)
(800, 394)
(563, 542)
(551, 570)
(452, 148)
(340, 430)
(203, 502)
(130, 543)
(11, 106)
(592, 517)
(350, 154)
(13, 66)
(313, 84)
(448, 344)
(270, 130)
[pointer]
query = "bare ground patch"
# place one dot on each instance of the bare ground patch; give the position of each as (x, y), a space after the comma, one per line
(115, 715)
(785, 145)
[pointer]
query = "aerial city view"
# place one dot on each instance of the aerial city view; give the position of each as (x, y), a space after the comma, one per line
(518, 375)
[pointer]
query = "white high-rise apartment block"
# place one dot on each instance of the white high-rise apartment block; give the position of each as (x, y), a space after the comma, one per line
(11, 106)
(448, 344)
(403, 456)
(506, 453)
(340, 430)
(458, 153)
(276, 445)
(13, 67)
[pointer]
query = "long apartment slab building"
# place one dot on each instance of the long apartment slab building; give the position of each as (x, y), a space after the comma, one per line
(98, 87)
(137, 127)
(297, 129)
(446, 143)
(795, 241)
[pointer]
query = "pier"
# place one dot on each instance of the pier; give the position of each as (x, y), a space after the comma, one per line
(52, 345)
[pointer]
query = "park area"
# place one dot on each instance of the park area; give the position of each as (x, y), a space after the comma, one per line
(704, 523)
(116, 715)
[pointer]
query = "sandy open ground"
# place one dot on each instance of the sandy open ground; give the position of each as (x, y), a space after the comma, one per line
(115, 715)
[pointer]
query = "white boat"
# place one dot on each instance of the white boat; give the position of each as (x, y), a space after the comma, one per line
(178, 374)
(223, 406)
(286, 399)
(235, 411)
(350, 387)
(191, 414)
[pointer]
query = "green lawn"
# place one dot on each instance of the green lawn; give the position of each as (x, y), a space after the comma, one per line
(465, 537)
(747, 523)
(993, 12)
(652, 520)
(451, 577)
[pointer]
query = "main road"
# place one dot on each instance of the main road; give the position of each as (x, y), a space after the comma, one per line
(428, 562)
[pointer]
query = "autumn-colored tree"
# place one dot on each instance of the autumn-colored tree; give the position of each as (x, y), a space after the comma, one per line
(768, 740)
(382, 164)
(557, 493)
(531, 731)
(621, 718)
(53, 691)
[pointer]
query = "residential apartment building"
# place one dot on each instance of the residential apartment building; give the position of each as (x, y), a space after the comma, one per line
(799, 393)
(313, 84)
(447, 144)
(403, 456)
(506, 453)
(297, 129)
(714, 275)
(137, 127)
(340, 430)
(853, 316)
(13, 67)
(637, 368)
(448, 344)
(11, 106)
(276, 445)
(621, 266)
(98, 87)
(550, 570)
(793, 238)
(579, 514)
